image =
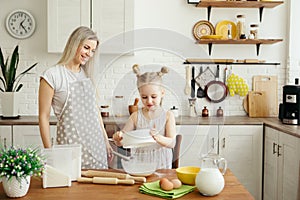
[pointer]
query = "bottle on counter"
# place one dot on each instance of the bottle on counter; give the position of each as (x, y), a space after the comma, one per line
(104, 111)
(119, 106)
(220, 112)
(175, 111)
(205, 112)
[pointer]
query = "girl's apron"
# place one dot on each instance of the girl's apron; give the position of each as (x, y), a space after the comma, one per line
(79, 124)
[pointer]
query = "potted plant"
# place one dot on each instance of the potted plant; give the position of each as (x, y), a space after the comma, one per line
(11, 82)
(17, 165)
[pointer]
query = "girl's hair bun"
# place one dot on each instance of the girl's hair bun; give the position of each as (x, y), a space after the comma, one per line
(164, 70)
(136, 69)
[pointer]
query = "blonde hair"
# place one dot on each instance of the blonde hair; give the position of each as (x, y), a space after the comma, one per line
(149, 77)
(75, 41)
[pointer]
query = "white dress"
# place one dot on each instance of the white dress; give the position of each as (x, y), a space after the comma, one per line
(164, 155)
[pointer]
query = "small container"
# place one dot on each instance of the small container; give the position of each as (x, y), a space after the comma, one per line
(241, 26)
(175, 111)
(254, 30)
(119, 106)
(220, 112)
(205, 112)
(105, 110)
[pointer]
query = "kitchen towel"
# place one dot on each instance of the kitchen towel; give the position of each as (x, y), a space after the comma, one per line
(153, 188)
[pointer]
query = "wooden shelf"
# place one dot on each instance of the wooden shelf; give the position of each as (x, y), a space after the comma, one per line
(257, 42)
(238, 4)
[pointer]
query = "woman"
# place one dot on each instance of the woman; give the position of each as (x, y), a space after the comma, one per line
(68, 88)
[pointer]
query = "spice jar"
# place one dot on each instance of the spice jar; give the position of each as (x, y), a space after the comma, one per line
(241, 26)
(254, 30)
(104, 111)
(119, 106)
(204, 112)
(220, 112)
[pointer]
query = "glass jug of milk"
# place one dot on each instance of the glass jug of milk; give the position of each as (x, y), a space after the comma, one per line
(210, 180)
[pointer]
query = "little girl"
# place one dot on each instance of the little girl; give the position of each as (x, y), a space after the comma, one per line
(152, 116)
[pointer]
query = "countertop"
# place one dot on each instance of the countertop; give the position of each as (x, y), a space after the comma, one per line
(233, 190)
(181, 120)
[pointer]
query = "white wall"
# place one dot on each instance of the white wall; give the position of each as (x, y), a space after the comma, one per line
(173, 18)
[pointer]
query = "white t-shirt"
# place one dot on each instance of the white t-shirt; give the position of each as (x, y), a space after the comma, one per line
(58, 77)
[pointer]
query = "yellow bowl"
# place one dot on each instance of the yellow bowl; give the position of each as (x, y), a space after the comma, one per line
(187, 174)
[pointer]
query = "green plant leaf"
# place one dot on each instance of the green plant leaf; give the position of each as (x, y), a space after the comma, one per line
(3, 66)
(12, 69)
(19, 87)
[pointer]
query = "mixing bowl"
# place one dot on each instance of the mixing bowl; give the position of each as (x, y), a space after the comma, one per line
(141, 163)
(137, 138)
(187, 174)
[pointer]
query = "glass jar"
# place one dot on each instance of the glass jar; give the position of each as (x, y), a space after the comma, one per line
(241, 26)
(119, 106)
(254, 30)
(105, 110)
(220, 112)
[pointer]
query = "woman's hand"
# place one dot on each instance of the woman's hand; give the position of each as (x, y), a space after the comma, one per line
(109, 153)
(117, 137)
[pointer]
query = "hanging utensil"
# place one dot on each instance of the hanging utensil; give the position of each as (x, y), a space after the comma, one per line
(193, 83)
(200, 91)
(187, 89)
(205, 78)
(216, 91)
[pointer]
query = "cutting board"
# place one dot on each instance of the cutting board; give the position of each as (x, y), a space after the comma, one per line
(257, 102)
(268, 84)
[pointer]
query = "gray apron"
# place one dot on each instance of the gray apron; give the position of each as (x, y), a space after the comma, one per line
(79, 124)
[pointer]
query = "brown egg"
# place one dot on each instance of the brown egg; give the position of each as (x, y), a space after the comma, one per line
(165, 184)
(176, 183)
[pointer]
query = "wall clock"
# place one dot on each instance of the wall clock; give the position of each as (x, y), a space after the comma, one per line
(20, 24)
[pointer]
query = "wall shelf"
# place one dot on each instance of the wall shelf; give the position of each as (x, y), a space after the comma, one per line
(257, 42)
(232, 63)
(238, 4)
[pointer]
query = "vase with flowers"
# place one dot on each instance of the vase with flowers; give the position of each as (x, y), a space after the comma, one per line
(17, 165)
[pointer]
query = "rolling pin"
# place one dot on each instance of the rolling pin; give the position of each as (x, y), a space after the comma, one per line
(94, 173)
(105, 180)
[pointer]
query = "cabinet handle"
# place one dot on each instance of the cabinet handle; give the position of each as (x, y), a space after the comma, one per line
(274, 148)
(223, 142)
(52, 141)
(213, 143)
(278, 150)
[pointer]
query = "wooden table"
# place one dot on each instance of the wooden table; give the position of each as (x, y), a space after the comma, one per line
(233, 190)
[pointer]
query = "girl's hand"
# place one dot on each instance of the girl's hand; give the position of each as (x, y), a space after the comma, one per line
(117, 137)
(154, 134)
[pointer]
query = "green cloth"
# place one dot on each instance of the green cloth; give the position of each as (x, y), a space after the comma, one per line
(153, 188)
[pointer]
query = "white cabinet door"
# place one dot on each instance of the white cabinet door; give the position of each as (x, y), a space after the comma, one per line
(5, 136)
(270, 164)
(113, 22)
(241, 146)
(63, 17)
(282, 164)
(29, 136)
(196, 141)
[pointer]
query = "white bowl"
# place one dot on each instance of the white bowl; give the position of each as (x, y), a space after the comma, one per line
(137, 138)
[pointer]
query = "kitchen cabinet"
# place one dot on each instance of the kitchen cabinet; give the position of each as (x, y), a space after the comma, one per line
(281, 166)
(242, 147)
(5, 136)
(196, 141)
(111, 20)
(63, 17)
(29, 136)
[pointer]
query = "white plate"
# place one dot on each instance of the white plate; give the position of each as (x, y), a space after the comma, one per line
(137, 138)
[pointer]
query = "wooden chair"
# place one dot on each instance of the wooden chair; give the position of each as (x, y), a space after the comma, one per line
(176, 151)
